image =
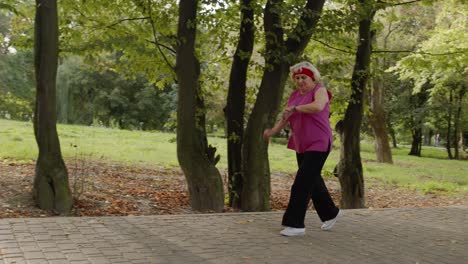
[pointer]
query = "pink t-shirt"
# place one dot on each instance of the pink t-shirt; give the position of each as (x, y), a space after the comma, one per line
(310, 132)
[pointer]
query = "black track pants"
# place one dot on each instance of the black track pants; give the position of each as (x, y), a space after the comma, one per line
(308, 185)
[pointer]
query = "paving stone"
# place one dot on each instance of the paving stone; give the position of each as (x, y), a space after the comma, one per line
(406, 235)
(17, 260)
(57, 261)
(54, 255)
(33, 255)
(37, 261)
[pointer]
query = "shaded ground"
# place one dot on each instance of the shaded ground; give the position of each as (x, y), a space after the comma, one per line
(104, 189)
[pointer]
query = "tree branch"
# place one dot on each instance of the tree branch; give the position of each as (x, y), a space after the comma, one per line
(393, 51)
(334, 48)
(398, 4)
(156, 42)
(161, 45)
(83, 15)
(300, 37)
(127, 19)
(112, 27)
(420, 52)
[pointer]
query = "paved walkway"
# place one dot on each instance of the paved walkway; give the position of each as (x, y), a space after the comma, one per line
(417, 235)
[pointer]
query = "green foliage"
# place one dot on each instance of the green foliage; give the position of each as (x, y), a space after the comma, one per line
(100, 96)
(131, 44)
(141, 31)
(440, 62)
(4, 32)
(22, 25)
(12, 107)
(16, 86)
(442, 58)
(8, 5)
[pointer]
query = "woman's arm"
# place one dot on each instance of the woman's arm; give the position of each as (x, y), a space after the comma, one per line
(276, 128)
(321, 99)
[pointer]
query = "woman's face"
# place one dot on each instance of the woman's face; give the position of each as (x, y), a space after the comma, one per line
(304, 83)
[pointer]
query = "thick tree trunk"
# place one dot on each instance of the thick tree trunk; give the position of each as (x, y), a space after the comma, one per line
(195, 157)
(51, 190)
(256, 181)
(279, 55)
(350, 166)
(379, 123)
(236, 103)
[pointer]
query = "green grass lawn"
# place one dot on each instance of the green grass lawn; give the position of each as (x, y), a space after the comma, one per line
(431, 173)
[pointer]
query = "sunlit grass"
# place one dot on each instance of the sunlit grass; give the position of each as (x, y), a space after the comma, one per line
(432, 173)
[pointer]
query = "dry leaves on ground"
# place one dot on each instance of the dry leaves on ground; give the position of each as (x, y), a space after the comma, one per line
(111, 189)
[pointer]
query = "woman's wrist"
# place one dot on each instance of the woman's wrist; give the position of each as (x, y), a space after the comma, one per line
(296, 108)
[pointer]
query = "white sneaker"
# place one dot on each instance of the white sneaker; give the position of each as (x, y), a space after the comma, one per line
(327, 225)
(291, 231)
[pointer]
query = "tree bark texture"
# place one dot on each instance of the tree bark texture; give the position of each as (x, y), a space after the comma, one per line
(378, 123)
(458, 116)
(195, 157)
(350, 166)
(51, 189)
(279, 55)
(418, 102)
(449, 126)
(416, 143)
(235, 106)
(392, 135)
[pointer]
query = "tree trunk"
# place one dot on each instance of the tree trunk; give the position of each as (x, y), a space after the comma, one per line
(461, 142)
(418, 103)
(279, 55)
(393, 136)
(236, 102)
(455, 135)
(457, 123)
(379, 124)
(350, 166)
(196, 158)
(51, 190)
(449, 126)
(256, 178)
(417, 141)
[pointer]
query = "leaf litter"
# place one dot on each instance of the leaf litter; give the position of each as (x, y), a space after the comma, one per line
(113, 189)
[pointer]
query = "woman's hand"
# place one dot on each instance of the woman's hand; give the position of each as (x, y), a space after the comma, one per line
(268, 133)
(279, 125)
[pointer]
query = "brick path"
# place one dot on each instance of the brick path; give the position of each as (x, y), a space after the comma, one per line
(416, 235)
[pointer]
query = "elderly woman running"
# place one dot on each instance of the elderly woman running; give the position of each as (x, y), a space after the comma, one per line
(307, 114)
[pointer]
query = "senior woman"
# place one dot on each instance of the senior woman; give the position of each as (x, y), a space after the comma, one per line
(307, 114)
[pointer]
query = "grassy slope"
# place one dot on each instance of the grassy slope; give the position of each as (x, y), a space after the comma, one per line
(430, 173)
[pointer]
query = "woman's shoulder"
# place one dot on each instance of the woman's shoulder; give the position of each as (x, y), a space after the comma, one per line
(319, 85)
(323, 89)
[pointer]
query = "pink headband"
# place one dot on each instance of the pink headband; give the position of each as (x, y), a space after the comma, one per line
(306, 72)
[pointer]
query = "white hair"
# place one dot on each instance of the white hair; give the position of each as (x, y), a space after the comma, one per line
(307, 65)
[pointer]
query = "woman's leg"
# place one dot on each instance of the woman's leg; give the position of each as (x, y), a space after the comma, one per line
(323, 203)
(309, 184)
(298, 199)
